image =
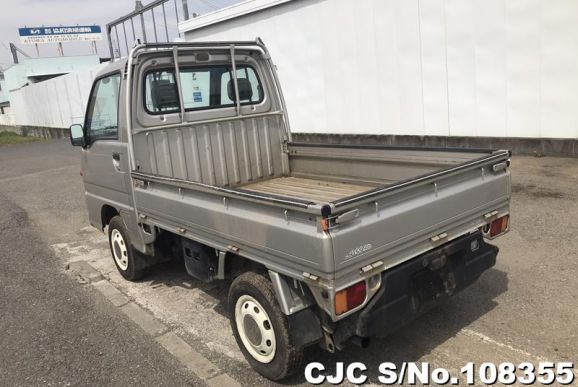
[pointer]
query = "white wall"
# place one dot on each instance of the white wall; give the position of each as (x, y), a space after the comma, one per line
(7, 118)
(58, 102)
(427, 67)
(3, 89)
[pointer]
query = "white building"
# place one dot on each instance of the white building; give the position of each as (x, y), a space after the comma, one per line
(498, 68)
(34, 70)
(6, 118)
(4, 101)
(47, 91)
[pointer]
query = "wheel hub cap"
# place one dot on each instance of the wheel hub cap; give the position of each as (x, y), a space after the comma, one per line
(255, 329)
(252, 330)
(119, 249)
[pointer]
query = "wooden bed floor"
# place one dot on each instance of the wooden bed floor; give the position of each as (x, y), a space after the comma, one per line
(309, 189)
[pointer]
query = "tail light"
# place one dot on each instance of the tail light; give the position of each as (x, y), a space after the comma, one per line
(350, 298)
(497, 227)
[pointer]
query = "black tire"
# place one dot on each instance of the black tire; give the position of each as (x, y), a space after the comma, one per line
(133, 264)
(287, 358)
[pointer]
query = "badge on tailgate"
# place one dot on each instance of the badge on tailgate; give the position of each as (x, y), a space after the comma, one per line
(358, 250)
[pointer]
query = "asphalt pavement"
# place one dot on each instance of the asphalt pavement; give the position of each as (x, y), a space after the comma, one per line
(54, 331)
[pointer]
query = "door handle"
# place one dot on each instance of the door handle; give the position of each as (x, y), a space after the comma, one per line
(116, 161)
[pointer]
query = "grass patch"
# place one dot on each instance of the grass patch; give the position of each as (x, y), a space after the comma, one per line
(10, 138)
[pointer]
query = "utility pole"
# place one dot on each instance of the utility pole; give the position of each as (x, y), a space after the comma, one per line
(15, 50)
(185, 10)
(139, 7)
(14, 53)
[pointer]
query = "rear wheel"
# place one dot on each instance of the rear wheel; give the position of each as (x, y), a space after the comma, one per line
(128, 261)
(260, 327)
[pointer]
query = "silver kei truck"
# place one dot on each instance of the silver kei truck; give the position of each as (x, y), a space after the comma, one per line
(187, 154)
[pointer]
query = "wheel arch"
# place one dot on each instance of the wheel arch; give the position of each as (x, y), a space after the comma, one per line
(107, 212)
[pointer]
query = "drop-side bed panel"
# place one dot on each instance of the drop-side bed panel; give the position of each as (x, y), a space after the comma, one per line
(373, 164)
(287, 241)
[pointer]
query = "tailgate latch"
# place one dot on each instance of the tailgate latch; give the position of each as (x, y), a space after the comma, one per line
(500, 166)
(350, 215)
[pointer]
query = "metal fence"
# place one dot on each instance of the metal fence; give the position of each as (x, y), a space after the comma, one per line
(155, 22)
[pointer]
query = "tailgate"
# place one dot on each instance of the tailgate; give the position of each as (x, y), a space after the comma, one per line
(404, 221)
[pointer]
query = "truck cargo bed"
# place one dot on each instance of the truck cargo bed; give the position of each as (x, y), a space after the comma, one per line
(316, 190)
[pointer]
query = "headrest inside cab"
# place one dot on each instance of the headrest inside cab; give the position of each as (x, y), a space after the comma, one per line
(164, 94)
(245, 89)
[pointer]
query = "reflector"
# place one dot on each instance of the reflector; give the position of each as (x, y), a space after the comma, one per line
(499, 226)
(350, 298)
(355, 295)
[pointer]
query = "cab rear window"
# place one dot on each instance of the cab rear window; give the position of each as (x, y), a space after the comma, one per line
(202, 88)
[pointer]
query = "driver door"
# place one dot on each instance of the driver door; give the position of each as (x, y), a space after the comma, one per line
(105, 158)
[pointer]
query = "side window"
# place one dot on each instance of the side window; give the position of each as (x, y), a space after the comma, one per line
(102, 117)
(203, 88)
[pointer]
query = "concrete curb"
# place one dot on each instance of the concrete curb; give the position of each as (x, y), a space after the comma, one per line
(188, 356)
(144, 320)
(111, 293)
(222, 380)
(36, 131)
(518, 145)
(169, 340)
(86, 271)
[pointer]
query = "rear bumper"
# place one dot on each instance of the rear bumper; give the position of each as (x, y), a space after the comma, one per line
(414, 287)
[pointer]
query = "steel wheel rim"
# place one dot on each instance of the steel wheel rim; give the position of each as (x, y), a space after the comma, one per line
(255, 329)
(119, 249)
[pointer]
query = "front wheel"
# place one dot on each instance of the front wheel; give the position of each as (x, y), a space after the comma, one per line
(128, 261)
(260, 327)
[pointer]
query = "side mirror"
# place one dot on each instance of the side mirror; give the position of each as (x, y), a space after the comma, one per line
(77, 135)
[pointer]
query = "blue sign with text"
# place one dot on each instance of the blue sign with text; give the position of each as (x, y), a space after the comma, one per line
(29, 35)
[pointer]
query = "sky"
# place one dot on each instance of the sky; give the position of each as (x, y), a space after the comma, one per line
(37, 13)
